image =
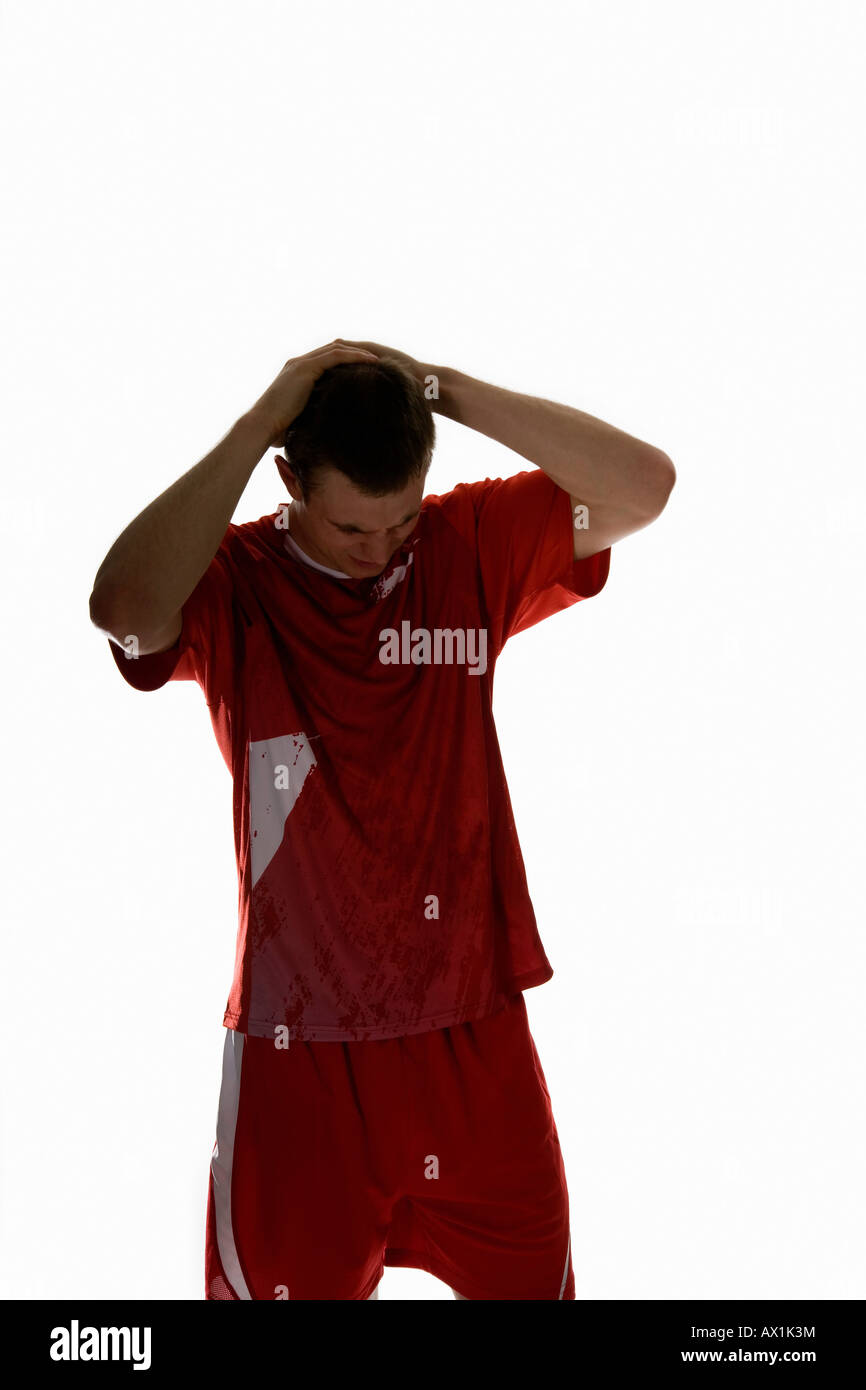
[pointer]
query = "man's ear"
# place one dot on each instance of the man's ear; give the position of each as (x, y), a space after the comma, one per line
(287, 473)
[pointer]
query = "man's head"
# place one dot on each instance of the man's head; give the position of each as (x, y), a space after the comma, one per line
(356, 462)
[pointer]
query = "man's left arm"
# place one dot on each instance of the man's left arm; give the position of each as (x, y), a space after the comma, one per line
(622, 483)
(617, 484)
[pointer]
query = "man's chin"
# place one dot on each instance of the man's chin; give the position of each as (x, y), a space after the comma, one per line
(362, 571)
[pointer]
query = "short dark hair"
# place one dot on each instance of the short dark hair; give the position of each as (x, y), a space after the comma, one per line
(370, 420)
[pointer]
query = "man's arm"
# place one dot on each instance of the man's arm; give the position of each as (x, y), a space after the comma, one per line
(623, 483)
(154, 565)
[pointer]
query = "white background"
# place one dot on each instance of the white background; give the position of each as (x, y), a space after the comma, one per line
(651, 212)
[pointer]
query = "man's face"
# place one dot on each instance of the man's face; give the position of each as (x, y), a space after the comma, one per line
(346, 530)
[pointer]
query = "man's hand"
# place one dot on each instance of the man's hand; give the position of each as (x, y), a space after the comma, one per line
(289, 392)
(418, 369)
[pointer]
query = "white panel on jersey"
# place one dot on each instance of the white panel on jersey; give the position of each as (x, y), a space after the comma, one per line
(565, 1271)
(279, 767)
(223, 1158)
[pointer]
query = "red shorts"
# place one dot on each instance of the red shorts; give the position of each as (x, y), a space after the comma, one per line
(437, 1150)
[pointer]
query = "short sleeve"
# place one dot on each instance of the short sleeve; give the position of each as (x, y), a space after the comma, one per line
(204, 650)
(525, 540)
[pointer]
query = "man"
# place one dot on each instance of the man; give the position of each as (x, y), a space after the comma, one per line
(382, 1101)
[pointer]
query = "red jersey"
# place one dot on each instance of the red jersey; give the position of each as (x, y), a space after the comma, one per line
(382, 889)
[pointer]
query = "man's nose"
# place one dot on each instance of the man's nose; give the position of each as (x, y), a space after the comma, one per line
(378, 547)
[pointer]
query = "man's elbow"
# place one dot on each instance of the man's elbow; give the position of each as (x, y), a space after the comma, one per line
(107, 613)
(664, 477)
(99, 610)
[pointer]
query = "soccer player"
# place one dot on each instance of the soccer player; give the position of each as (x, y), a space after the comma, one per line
(382, 1101)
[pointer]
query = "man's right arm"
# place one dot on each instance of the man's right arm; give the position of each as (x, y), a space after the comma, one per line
(152, 568)
(154, 565)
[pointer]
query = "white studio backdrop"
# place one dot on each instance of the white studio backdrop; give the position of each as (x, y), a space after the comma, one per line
(651, 212)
